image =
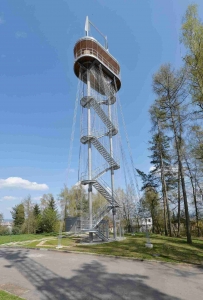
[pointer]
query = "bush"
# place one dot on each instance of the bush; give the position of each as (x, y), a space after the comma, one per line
(4, 230)
(16, 230)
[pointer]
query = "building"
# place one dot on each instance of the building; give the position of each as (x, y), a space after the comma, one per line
(143, 224)
(7, 225)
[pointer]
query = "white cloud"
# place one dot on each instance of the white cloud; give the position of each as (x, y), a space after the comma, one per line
(18, 182)
(37, 198)
(152, 168)
(20, 34)
(8, 198)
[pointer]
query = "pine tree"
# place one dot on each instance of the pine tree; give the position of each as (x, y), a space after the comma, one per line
(161, 162)
(150, 200)
(36, 210)
(18, 215)
(52, 203)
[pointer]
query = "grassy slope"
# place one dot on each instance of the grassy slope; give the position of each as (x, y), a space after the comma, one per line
(7, 296)
(20, 238)
(164, 248)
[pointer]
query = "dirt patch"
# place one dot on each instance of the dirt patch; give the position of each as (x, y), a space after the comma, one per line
(13, 289)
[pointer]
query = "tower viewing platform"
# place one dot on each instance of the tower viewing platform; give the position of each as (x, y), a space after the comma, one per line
(89, 51)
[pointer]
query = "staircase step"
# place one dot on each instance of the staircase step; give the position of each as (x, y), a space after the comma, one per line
(97, 107)
(101, 236)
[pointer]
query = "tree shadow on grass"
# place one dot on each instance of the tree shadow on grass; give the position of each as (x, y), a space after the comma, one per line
(92, 281)
(181, 254)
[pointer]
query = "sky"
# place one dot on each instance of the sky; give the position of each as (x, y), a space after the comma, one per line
(38, 86)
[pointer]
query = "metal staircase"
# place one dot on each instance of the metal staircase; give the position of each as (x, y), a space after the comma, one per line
(101, 236)
(91, 137)
(105, 192)
(88, 100)
(97, 218)
(101, 214)
(102, 150)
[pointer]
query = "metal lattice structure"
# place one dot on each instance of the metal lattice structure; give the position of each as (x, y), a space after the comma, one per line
(99, 74)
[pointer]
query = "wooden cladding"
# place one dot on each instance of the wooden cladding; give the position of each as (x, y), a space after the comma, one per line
(88, 50)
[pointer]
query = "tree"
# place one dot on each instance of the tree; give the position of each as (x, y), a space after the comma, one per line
(29, 224)
(126, 201)
(196, 142)
(170, 87)
(1, 218)
(18, 215)
(161, 162)
(45, 201)
(48, 219)
(98, 201)
(3, 229)
(150, 202)
(73, 200)
(192, 38)
(52, 203)
(193, 180)
(193, 154)
(38, 218)
(150, 199)
(36, 210)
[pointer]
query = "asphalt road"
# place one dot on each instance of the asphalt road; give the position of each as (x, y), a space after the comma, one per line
(34, 274)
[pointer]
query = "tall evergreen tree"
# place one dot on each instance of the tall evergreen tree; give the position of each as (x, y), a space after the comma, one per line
(150, 199)
(52, 203)
(36, 210)
(161, 162)
(18, 215)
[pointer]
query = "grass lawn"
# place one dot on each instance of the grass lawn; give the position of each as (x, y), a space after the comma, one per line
(20, 238)
(7, 296)
(164, 248)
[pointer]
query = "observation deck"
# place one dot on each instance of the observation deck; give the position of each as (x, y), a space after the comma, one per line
(88, 51)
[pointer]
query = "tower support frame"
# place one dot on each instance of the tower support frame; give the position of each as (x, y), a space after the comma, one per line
(100, 72)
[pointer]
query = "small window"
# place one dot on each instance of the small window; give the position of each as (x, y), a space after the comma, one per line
(149, 220)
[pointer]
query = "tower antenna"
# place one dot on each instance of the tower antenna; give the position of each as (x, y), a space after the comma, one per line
(87, 29)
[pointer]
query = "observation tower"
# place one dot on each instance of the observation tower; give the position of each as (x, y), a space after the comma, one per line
(99, 78)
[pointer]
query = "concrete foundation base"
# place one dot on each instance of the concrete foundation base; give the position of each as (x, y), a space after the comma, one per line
(149, 245)
(91, 237)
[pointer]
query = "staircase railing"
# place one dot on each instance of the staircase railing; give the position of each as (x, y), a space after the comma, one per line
(95, 138)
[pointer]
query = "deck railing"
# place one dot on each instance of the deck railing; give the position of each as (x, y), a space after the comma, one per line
(91, 51)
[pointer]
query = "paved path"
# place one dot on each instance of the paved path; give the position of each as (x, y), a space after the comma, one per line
(49, 275)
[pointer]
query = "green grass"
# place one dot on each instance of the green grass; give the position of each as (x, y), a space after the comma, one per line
(67, 241)
(20, 237)
(7, 296)
(164, 248)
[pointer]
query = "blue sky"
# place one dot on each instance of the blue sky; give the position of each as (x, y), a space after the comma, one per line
(38, 86)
